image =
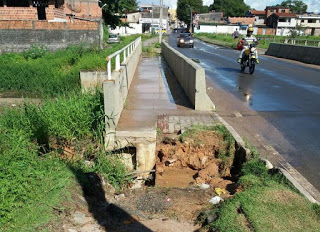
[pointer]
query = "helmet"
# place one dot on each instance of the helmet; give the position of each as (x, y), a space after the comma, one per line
(250, 29)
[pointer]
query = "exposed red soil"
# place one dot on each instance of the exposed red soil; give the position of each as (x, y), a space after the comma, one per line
(194, 161)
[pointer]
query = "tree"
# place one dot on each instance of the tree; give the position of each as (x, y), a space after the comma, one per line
(184, 8)
(230, 7)
(113, 9)
(296, 6)
(297, 31)
(204, 9)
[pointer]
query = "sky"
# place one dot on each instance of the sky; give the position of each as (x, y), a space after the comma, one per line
(313, 5)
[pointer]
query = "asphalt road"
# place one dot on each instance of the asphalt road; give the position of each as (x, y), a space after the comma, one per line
(279, 105)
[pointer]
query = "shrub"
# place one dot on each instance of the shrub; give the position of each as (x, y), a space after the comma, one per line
(45, 73)
(35, 52)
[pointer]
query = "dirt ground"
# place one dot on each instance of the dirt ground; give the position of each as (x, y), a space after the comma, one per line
(171, 202)
(194, 161)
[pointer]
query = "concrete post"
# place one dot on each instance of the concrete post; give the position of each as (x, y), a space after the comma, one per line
(160, 26)
(118, 62)
(101, 34)
(145, 156)
(109, 69)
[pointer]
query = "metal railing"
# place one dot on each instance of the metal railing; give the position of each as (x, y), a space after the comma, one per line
(294, 41)
(305, 42)
(126, 51)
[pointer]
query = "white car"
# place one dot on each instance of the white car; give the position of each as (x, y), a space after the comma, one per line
(113, 38)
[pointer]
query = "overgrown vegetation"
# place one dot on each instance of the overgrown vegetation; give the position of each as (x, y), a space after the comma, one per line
(44, 147)
(220, 39)
(33, 143)
(151, 50)
(51, 74)
(267, 202)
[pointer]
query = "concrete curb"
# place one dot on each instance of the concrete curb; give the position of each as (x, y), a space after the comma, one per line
(191, 77)
(305, 54)
(292, 175)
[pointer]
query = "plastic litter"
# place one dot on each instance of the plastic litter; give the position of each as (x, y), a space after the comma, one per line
(220, 191)
(215, 200)
(204, 186)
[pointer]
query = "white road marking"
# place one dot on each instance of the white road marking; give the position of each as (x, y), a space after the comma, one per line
(238, 115)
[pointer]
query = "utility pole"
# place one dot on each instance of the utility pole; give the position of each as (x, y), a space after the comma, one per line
(191, 20)
(152, 25)
(160, 26)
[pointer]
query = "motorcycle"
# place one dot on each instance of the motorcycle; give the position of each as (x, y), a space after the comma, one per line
(249, 58)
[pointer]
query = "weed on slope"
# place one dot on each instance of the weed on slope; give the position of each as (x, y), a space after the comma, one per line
(35, 167)
(44, 73)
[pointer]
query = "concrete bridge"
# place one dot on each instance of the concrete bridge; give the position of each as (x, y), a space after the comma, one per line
(144, 96)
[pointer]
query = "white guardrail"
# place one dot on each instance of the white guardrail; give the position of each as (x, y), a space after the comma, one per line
(293, 41)
(127, 51)
(305, 42)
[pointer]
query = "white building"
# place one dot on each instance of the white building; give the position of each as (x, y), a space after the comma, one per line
(283, 22)
(259, 15)
(311, 24)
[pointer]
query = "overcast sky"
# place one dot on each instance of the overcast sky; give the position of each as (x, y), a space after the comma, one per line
(313, 5)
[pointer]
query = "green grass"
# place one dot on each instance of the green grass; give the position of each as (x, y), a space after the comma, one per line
(41, 72)
(33, 179)
(228, 41)
(267, 203)
(30, 185)
(151, 49)
(35, 173)
(145, 37)
(219, 39)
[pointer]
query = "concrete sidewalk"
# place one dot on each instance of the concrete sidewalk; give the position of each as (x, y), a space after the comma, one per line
(151, 94)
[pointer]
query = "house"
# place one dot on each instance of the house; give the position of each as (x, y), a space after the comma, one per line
(153, 11)
(310, 23)
(150, 17)
(276, 9)
(50, 10)
(283, 22)
(132, 17)
(211, 18)
(259, 15)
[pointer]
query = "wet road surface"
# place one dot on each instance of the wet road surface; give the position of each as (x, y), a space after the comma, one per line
(280, 102)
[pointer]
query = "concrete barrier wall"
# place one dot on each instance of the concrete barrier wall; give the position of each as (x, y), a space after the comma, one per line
(91, 80)
(116, 90)
(20, 35)
(191, 77)
(306, 54)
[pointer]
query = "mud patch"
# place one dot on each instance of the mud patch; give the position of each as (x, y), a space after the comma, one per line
(182, 204)
(200, 157)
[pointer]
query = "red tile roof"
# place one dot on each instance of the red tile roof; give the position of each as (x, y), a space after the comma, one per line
(258, 12)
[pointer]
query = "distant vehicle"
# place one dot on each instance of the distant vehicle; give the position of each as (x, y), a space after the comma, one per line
(180, 30)
(158, 30)
(113, 38)
(185, 39)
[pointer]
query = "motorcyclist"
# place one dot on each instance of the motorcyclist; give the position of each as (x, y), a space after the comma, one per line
(249, 39)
